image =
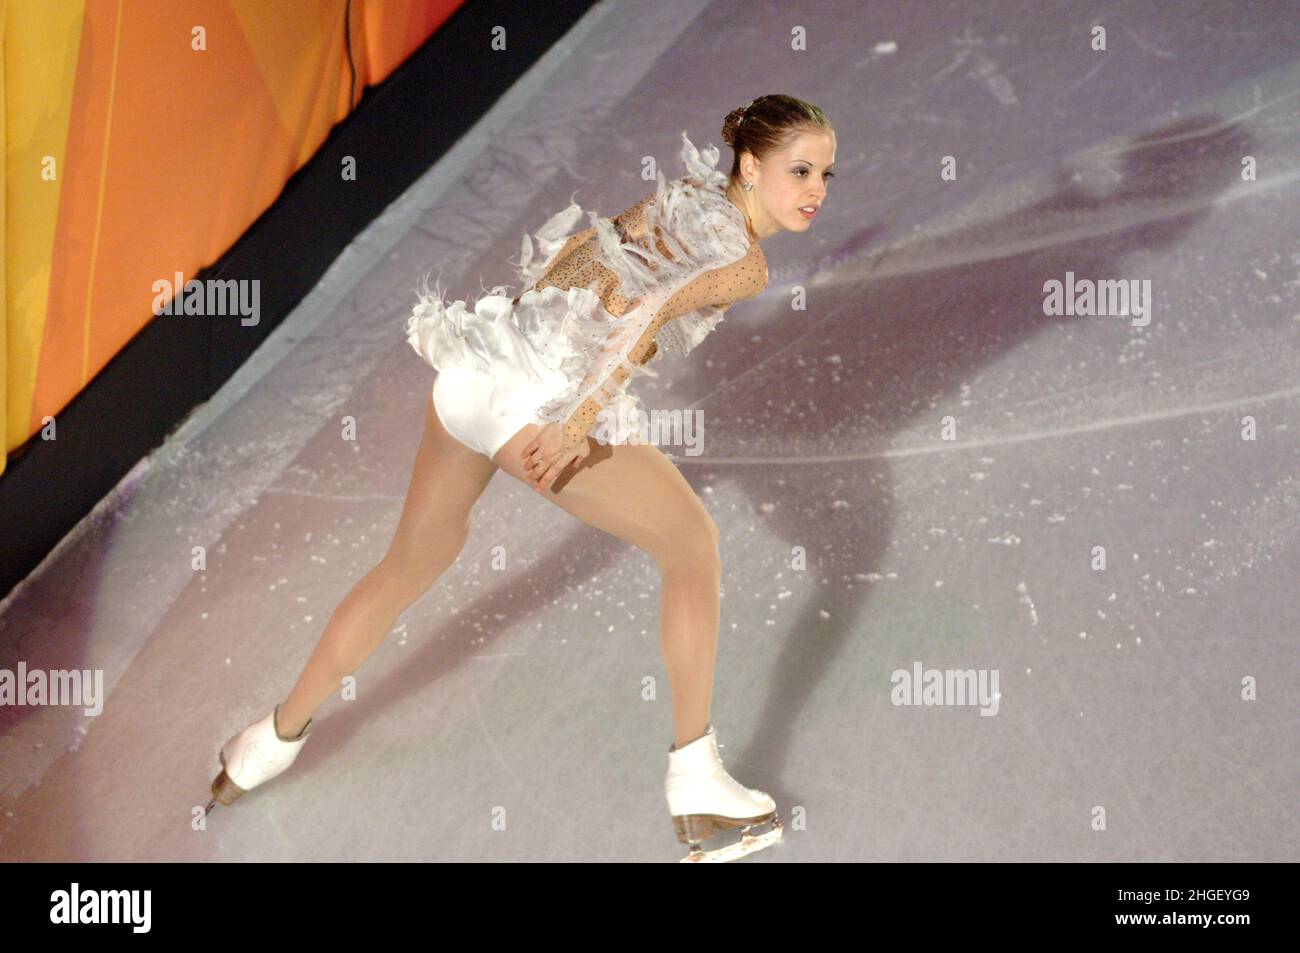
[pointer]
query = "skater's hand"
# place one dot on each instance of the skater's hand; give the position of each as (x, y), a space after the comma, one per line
(546, 456)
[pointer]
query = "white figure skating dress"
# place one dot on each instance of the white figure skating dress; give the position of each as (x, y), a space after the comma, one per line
(598, 306)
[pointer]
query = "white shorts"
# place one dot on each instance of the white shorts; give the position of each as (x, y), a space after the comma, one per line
(460, 398)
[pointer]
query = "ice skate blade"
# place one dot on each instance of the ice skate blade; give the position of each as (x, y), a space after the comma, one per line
(747, 844)
(224, 790)
(693, 828)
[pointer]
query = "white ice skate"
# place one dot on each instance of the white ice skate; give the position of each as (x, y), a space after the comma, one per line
(704, 799)
(253, 757)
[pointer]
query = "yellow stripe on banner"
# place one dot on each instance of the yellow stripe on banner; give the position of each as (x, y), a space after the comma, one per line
(39, 48)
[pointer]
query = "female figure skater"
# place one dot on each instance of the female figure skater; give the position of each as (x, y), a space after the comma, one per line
(520, 388)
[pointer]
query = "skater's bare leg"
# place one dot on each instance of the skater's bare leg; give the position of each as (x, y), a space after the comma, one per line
(638, 495)
(447, 480)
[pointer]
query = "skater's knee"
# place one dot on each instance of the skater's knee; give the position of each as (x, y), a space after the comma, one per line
(414, 567)
(689, 542)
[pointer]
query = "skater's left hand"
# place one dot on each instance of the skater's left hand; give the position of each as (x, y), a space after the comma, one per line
(546, 457)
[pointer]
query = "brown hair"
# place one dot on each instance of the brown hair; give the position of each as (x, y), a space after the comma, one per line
(768, 124)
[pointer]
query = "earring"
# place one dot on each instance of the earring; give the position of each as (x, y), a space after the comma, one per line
(747, 186)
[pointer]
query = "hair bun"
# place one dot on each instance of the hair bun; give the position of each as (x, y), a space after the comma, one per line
(730, 124)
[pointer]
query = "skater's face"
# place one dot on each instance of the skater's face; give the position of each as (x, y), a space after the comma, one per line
(793, 179)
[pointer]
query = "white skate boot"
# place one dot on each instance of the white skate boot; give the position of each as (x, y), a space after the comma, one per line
(253, 757)
(704, 799)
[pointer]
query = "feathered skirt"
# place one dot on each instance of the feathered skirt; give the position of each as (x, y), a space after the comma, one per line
(505, 364)
(491, 379)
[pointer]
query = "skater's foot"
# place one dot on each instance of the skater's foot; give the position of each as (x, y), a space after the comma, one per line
(704, 799)
(254, 756)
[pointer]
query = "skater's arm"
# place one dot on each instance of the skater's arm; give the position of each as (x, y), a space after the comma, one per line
(718, 287)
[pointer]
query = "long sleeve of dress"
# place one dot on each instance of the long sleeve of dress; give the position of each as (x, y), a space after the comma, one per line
(716, 289)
